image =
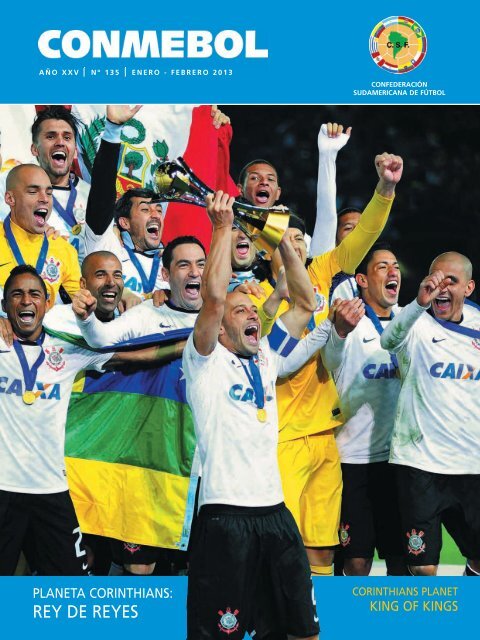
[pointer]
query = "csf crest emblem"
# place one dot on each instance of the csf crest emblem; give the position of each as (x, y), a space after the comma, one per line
(51, 270)
(344, 535)
(398, 44)
(228, 621)
(54, 358)
(416, 545)
(131, 547)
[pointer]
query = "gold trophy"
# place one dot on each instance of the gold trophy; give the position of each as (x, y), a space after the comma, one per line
(175, 182)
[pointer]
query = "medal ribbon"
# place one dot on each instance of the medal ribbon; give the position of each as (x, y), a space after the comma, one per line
(12, 243)
(372, 316)
(255, 379)
(458, 328)
(29, 374)
(67, 213)
(148, 284)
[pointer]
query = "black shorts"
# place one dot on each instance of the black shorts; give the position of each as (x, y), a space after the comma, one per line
(45, 528)
(370, 516)
(428, 500)
(248, 571)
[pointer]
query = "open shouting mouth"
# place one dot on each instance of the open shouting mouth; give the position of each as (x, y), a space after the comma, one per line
(252, 332)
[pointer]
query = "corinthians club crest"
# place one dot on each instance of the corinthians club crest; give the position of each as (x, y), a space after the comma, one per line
(416, 545)
(54, 358)
(51, 270)
(228, 621)
(344, 535)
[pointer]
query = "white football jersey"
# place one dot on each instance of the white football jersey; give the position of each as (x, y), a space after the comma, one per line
(141, 320)
(368, 385)
(32, 436)
(109, 241)
(437, 426)
(238, 452)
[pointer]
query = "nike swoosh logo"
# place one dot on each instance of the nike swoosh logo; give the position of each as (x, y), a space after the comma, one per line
(4, 264)
(84, 566)
(165, 326)
(435, 340)
(4, 350)
(370, 340)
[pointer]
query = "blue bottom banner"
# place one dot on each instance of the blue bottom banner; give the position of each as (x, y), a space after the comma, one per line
(347, 607)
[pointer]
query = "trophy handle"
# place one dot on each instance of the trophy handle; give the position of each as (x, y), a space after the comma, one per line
(176, 182)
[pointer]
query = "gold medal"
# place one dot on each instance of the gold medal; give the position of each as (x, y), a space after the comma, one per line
(261, 415)
(29, 397)
(76, 229)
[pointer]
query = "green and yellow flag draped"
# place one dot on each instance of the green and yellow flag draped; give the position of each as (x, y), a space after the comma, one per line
(130, 446)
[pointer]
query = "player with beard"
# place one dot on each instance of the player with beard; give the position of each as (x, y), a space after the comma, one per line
(436, 439)
(138, 218)
(54, 133)
(23, 238)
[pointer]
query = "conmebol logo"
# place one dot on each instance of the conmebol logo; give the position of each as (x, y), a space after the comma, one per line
(149, 44)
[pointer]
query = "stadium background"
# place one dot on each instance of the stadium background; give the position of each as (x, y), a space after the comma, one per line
(437, 207)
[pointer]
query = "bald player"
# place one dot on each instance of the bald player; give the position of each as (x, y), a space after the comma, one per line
(247, 566)
(436, 439)
(23, 238)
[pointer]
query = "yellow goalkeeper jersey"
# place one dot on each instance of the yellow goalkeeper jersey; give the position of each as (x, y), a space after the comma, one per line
(307, 400)
(61, 267)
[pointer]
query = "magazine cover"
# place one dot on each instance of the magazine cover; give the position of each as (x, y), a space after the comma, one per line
(239, 334)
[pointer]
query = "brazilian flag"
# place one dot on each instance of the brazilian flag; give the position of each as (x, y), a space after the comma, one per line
(130, 447)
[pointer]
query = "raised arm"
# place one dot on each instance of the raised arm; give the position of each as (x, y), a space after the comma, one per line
(103, 191)
(351, 251)
(346, 316)
(302, 296)
(330, 140)
(396, 334)
(97, 333)
(216, 275)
